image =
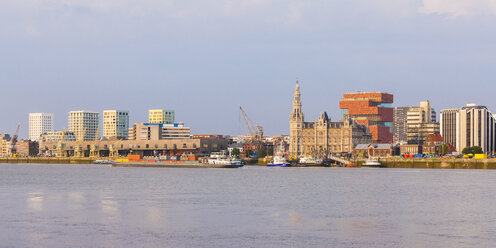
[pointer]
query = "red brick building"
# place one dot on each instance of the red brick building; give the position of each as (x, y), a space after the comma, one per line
(372, 109)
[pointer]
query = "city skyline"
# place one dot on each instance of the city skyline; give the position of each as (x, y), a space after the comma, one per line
(204, 60)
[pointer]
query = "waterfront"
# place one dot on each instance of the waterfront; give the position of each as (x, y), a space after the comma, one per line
(98, 206)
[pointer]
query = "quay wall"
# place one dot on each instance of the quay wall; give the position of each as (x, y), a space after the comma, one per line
(43, 160)
(436, 163)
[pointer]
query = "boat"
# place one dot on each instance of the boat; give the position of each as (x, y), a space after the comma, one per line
(372, 163)
(279, 161)
(311, 161)
(175, 164)
(223, 159)
(103, 161)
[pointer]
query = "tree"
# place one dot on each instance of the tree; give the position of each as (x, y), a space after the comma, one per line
(262, 153)
(477, 149)
(444, 149)
(248, 153)
(472, 150)
(271, 152)
(235, 152)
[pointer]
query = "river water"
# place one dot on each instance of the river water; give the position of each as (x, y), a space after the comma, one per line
(99, 206)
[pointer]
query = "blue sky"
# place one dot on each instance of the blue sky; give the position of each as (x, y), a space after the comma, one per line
(206, 58)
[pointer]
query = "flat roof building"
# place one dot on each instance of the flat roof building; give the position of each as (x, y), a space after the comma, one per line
(161, 116)
(115, 124)
(372, 109)
(39, 123)
(84, 124)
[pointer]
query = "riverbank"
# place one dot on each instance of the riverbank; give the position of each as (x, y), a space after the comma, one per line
(435, 163)
(42, 160)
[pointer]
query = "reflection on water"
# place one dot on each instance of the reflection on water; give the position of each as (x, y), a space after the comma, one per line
(35, 201)
(99, 206)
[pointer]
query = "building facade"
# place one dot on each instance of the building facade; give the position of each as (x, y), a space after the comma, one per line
(161, 116)
(84, 124)
(115, 124)
(472, 125)
(372, 109)
(449, 122)
(400, 124)
(56, 136)
(322, 137)
(39, 123)
(176, 131)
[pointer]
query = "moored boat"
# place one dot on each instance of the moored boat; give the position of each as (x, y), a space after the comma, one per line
(278, 161)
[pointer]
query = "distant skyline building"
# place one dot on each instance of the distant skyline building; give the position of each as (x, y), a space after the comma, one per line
(449, 123)
(321, 137)
(115, 124)
(472, 125)
(477, 128)
(84, 123)
(372, 109)
(161, 116)
(39, 123)
(421, 123)
(399, 124)
(158, 131)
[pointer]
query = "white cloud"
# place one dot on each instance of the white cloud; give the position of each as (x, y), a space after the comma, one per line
(456, 8)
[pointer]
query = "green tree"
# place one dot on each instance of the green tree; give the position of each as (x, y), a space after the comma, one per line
(235, 152)
(477, 149)
(444, 149)
(472, 150)
(271, 152)
(248, 153)
(262, 153)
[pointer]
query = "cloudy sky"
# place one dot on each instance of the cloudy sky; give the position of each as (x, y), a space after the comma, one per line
(204, 58)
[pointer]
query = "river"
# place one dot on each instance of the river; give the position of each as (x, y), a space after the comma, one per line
(100, 206)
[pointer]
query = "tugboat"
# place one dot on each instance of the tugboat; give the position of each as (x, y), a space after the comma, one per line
(279, 161)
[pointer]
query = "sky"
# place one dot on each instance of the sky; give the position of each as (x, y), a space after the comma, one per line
(204, 58)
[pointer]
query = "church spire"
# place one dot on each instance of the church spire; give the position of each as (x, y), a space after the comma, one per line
(297, 113)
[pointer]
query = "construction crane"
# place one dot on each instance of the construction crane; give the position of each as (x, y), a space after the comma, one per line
(13, 142)
(256, 131)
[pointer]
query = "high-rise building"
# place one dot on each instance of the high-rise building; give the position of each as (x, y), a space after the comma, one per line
(472, 125)
(477, 128)
(372, 109)
(399, 124)
(449, 122)
(84, 124)
(322, 137)
(161, 116)
(115, 124)
(39, 123)
(421, 123)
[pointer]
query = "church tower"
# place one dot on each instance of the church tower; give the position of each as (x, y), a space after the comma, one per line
(296, 121)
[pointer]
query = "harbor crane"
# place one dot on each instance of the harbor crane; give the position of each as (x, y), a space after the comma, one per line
(13, 142)
(256, 131)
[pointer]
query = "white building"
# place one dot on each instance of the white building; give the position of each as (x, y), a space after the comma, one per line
(56, 136)
(161, 116)
(39, 123)
(84, 123)
(115, 124)
(175, 131)
(472, 125)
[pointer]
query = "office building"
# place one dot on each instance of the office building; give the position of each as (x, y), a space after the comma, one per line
(84, 124)
(39, 123)
(472, 125)
(477, 128)
(449, 122)
(115, 124)
(399, 124)
(161, 116)
(322, 137)
(372, 109)
(176, 131)
(56, 136)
